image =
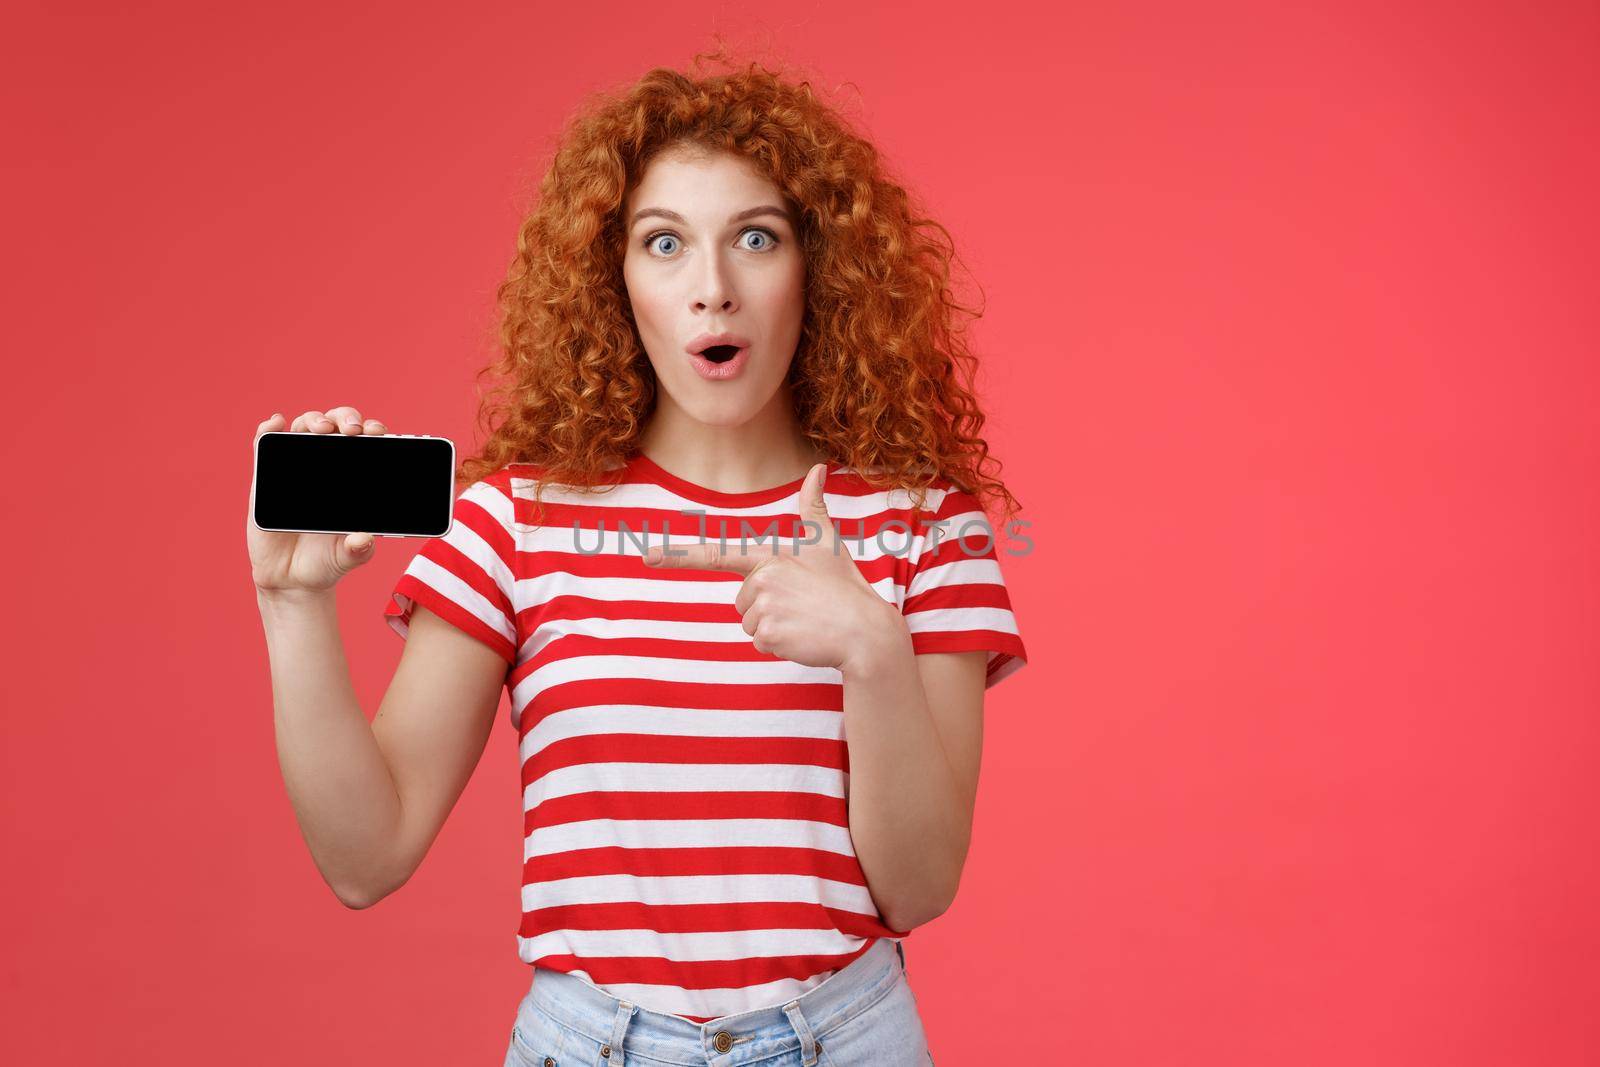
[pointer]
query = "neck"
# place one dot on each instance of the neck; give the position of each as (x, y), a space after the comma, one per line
(769, 449)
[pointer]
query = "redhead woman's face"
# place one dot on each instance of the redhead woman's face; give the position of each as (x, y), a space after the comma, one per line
(712, 249)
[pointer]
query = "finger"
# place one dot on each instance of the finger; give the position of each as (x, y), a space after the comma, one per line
(751, 619)
(346, 418)
(762, 640)
(702, 556)
(269, 425)
(751, 588)
(314, 422)
(812, 505)
(373, 426)
(356, 549)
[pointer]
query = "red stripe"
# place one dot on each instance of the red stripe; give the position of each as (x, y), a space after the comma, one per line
(968, 641)
(685, 862)
(700, 918)
(650, 748)
(713, 804)
(962, 595)
(701, 974)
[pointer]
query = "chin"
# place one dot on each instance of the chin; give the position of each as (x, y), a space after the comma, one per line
(725, 413)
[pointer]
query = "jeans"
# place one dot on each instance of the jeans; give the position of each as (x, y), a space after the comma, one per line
(860, 1015)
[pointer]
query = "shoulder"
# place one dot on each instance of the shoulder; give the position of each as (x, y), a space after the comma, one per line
(500, 483)
(526, 495)
(495, 494)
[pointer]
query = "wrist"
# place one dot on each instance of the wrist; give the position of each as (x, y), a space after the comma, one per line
(280, 600)
(880, 635)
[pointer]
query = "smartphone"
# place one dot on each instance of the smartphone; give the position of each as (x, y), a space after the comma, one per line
(388, 485)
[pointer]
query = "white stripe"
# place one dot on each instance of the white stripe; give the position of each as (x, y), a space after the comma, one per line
(604, 719)
(963, 570)
(708, 632)
(542, 588)
(957, 620)
(969, 523)
(687, 833)
(695, 947)
(662, 669)
(683, 778)
(699, 889)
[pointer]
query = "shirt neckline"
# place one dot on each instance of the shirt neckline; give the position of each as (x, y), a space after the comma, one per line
(644, 467)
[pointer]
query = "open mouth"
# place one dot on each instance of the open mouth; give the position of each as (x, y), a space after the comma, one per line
(720, 353)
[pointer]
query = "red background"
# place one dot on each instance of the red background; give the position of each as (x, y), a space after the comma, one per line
(1290, 342)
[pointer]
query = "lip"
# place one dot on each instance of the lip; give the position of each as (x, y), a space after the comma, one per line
(706, 340)
(720, 372)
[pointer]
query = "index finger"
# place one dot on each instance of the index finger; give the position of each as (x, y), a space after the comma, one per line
(702, 556)
(266, 426)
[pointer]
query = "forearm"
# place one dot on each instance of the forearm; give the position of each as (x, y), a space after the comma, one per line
(339, 784)
(908, 821)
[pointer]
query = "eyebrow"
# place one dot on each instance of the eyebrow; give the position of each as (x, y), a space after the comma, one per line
(764, 209)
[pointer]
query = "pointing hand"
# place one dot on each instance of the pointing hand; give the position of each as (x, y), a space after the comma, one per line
(803, 598)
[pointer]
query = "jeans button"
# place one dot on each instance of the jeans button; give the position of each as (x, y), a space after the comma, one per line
(723, 1041)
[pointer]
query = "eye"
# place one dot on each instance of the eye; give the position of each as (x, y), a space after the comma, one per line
(768, 240)
(652, 237)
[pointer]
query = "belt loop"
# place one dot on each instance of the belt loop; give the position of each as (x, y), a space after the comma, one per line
(618, 1030)
(898, 947)
(808, 1044)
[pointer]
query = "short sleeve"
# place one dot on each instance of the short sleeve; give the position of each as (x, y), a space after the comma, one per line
(956, 599)
(466, 576)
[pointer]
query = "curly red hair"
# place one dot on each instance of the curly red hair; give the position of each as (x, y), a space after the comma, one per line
(882, 376)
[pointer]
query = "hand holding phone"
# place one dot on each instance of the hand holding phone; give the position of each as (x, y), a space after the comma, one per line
(302, 560)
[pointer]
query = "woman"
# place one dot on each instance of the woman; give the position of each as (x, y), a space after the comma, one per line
(724, 549)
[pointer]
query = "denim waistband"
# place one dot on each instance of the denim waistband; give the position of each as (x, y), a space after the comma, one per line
(733, 1039)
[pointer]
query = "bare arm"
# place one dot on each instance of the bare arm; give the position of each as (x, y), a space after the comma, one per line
(914, 725)
(371, 798)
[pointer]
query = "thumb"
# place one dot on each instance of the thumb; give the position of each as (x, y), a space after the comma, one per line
(355, 550)
(812, 504)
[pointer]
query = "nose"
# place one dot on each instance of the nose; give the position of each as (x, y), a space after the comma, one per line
(714, 287)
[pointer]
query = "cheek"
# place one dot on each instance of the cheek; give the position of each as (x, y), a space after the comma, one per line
(782, 292)
(650, 304)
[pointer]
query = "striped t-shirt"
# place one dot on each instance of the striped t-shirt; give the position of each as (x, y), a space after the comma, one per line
(686, 836)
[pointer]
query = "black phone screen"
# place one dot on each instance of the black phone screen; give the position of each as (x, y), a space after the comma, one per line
(367, 483)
